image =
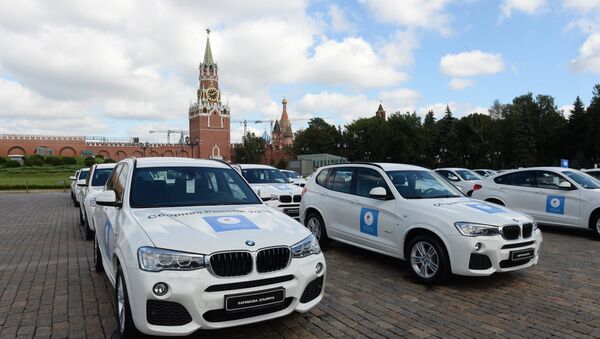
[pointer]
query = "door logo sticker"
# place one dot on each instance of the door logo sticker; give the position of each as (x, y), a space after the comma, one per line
(487, 208)
(230, 223)
(368, 221)
(107, 230)
(555, 204)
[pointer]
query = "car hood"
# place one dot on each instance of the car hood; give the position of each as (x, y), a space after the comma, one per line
(217, 228)
(471, 210)
(277, 189)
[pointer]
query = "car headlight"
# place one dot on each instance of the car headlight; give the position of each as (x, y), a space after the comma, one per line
(306, 247)
(156, 259)
(470, 229)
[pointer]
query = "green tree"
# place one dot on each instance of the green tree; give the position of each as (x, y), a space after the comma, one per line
(578, 134)
(251, 150)
(593, 121)
(89, 161)
(318, 137)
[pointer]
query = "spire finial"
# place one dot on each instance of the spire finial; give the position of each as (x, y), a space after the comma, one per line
(208, 58)
(208, 31)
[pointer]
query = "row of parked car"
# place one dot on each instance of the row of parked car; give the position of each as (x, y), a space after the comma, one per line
(190, 244)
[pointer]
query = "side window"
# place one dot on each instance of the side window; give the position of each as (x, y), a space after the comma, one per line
(367, 179)
(505, 179)
(340, 180)
(446, 174)
(121, 182)
(112, 181)
(549, 180)
(523, 179)
(322, 177)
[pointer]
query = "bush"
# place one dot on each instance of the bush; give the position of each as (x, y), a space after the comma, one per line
(109, 161)
(12, 163)
(89, 161)
(2, 160)
(34, 160)
(69, 160)
(55, 161)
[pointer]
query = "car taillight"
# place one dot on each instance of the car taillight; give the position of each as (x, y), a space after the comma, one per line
(303, 191)
(477, 187)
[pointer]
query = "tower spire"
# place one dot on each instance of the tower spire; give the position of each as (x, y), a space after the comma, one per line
(208, 58)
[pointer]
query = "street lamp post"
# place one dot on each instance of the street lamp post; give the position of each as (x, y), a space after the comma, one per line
(342, 147)
(144, 146)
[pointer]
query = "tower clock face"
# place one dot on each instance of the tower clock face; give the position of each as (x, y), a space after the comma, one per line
(212, 94)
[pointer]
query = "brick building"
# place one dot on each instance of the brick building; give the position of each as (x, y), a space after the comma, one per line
(209, 130)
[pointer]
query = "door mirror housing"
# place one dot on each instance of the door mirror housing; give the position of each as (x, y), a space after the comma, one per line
(108, 198)
(263, 195)
(72, 178)
(454, 178)
(378, 193)
(81, 183)
(565, 185)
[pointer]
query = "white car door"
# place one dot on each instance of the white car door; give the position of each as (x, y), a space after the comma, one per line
(338, 207)
(517, 190)
(375, 222)
(554, 204)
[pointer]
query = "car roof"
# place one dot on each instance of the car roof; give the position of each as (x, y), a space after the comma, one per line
(543, 168)
(452, 168)
(386, 166)
(249, 166)
(175, 161)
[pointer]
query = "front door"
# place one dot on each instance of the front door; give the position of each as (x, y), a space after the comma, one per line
(554, 204)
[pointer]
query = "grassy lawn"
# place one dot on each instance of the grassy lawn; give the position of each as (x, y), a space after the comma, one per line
(36, 177)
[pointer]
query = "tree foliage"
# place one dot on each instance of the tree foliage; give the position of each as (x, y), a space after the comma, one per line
(250, 151)
(528, 131)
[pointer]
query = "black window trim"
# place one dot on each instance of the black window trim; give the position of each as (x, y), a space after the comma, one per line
(534, 180)
(390, 195)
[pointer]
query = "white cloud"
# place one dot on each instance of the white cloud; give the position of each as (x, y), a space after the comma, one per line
(399, 49)
(589, 55)
(566, 110)
(460, 83)
(583, 6)
(526, 6)
(471, 63)
(339, 21)
(425, 14)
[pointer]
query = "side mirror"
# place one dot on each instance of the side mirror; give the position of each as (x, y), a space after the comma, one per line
(454, 178)
(81, 183)
(72, 178)
(264, 196)
(378, 193)
(565, 185)
(107, 198)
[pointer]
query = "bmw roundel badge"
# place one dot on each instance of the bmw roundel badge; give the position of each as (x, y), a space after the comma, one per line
(249, 242)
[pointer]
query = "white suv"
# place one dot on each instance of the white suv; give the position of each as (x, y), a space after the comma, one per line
(188, 245)
(553, 195)
(274, 188)
(465, 179)
(294, 177)
(78, 182)
(94, 184)
(412, 213)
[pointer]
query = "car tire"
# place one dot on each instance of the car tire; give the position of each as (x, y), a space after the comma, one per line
(97, 257)
(315, 224)
(89, 234)
(125, 325)
(595, 225)
(428, 259)
(81, 220)
(75, 203)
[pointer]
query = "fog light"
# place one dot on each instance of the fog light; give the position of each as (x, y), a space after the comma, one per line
(160, 289)
(477, 246)
(319, 268)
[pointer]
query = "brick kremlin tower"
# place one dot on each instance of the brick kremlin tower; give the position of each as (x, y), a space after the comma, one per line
(282, 130)
(210, 119)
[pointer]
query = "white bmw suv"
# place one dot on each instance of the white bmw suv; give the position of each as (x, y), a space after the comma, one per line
(412, 213)
(188, 245)
(94, 184)
(553, 195)
(274, 188)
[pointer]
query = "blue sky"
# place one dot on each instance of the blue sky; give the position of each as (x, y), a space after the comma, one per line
(120, 68)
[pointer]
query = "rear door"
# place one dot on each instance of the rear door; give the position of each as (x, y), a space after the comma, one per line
(553, 204)
(338, 207)
(517, 190)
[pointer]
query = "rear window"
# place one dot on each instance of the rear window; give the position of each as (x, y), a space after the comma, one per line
(341, 180)
(322, 177)
(522, 178)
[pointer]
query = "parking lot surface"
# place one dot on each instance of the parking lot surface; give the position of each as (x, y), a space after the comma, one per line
(47, 288)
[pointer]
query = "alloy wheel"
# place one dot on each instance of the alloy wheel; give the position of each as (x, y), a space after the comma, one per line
(314, 226)
(424, 259)
(121, 305)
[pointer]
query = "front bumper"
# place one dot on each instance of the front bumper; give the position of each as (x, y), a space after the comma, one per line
(290, 209)
(189, 290)
(496, 248)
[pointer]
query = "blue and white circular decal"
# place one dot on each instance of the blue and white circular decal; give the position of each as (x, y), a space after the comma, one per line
(229, 220)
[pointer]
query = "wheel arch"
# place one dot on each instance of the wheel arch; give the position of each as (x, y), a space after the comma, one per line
(429, 231)
(495, 200)
(591, 217)
(312, 209)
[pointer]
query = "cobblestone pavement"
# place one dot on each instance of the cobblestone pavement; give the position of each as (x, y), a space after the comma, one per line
(47, 288)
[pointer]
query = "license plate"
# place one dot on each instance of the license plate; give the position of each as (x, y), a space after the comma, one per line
(255, 299)
(522, 254)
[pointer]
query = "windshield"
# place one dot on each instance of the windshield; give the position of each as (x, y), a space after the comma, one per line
(585, 180)
(264, 176)
(291, 174)
(189, 186)
(83, 174)
(422, 185)
(467, 175)
(100, 176)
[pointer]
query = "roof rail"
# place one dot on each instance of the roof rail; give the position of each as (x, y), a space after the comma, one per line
(221, 161)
